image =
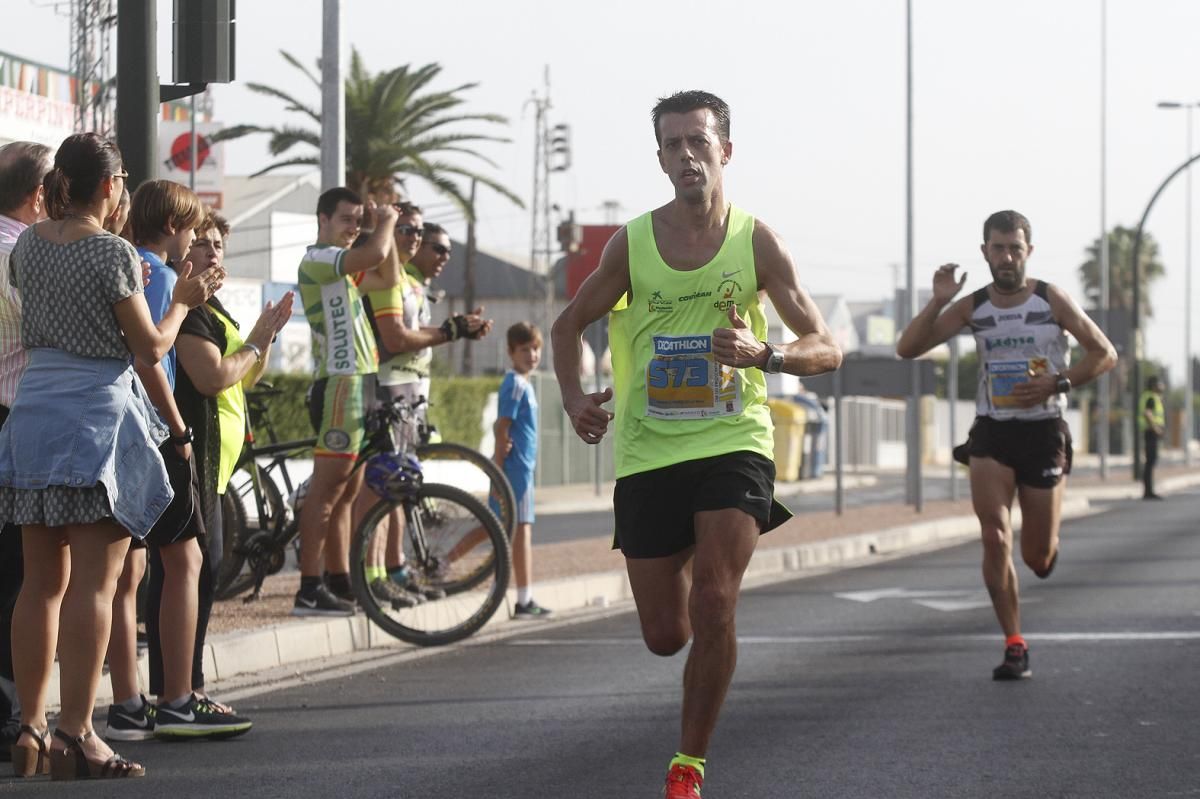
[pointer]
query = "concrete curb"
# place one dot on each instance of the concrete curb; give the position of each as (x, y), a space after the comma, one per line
(304, 646)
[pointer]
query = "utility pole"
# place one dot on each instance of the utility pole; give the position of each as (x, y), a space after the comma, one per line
(910, 311)
(551, 153)
(469, 279)
(1104, 388)
(333, 98)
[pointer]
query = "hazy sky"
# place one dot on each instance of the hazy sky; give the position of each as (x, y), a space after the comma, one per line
(1007, 114)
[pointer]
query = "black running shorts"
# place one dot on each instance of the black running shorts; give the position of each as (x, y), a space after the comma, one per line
(655, 510)
(1039, 452)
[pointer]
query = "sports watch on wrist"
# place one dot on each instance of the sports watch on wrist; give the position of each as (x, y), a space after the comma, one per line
(1063, 384)
(774, 364)
(187, 437)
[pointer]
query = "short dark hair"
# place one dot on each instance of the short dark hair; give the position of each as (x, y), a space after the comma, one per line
(683, 102)
(1007, 222)
(433, 229)
(23, 167)
(1152, 382)
(408, 209)
(327, 203)
(82, 162)
(522, 333)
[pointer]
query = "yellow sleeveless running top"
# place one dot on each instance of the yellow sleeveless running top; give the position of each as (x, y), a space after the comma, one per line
(674, 402)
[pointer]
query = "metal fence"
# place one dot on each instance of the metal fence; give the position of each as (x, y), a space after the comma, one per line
(562, 457)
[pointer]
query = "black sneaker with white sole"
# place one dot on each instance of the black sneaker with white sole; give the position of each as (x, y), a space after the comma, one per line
(198, 718)
(126, 725)
(1015, 665)
(531, 610)
(320, 602)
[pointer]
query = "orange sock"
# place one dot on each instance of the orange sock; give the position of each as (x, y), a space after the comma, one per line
(1015, 640)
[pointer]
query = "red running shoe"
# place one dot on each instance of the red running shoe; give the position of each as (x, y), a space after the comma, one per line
(683, 782)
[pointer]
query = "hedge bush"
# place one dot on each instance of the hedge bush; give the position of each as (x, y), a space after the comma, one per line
(456, 407)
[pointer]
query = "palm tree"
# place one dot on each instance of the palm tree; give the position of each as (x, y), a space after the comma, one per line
(1120, 261)
(395, 129)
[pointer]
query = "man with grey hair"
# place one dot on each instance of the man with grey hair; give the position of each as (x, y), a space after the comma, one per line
(23, 166)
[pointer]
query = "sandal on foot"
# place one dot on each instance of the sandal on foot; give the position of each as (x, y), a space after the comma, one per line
(73, 764)
(31, 761)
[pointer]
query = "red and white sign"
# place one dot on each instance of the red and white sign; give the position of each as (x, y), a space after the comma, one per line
(31, 117)
(176, 154)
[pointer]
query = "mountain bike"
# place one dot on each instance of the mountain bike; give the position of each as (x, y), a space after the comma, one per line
(447, 535)
(259, 526)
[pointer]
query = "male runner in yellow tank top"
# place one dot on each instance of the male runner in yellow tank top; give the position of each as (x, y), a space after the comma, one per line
(694, 472)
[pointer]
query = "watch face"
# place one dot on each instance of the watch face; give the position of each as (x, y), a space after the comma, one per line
(775, 362)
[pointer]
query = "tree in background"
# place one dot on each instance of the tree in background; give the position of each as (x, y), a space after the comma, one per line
(396, 128)
(1120, 262)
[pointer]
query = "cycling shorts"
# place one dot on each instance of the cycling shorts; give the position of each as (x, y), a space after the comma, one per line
(338, 407)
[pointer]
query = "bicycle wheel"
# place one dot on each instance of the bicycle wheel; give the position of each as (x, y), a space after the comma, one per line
(243, 518)
(230, 581)
(441, 523)
(461, 468)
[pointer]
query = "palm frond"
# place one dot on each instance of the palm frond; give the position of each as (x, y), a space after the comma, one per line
(291, 102)
(291, 59)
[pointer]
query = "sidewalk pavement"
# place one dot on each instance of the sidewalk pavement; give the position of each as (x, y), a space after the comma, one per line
(260, 643)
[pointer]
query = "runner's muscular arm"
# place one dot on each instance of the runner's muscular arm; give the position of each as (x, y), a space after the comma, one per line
(931, 327)
(597, 296)
(1098, 353)
(814, 350)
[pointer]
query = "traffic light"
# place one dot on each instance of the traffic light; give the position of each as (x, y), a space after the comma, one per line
(570, 235)
(204, 41)
(560, 148)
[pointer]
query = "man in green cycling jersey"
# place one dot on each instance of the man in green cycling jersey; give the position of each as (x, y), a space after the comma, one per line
(332, 279)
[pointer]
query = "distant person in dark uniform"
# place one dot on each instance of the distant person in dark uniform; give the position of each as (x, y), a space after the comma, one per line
(1152, 422)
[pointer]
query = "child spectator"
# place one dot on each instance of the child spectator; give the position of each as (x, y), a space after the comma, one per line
(516, 432)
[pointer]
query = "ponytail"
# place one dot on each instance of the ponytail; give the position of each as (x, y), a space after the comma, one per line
(58, 193)
(81, 164)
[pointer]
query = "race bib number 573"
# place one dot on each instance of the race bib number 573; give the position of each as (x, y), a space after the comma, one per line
(684, 381)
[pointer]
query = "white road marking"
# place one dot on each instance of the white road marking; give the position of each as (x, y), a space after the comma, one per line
(947, 601)
(1094, 637)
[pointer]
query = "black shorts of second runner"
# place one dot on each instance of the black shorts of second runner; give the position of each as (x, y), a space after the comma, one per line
(1039, 452)
(655, 510)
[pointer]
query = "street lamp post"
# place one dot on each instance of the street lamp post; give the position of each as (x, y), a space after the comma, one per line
(1187, 289)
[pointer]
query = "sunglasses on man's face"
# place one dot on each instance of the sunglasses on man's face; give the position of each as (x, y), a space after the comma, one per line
(410, 230)
(440, 249)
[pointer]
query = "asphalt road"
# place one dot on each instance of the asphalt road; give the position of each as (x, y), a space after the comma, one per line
(870, 682)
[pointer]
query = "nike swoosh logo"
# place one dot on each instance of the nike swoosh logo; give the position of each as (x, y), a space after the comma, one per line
(726, 275)
(142, 722)
(190, 717)
(755, 497)
(308, 603)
